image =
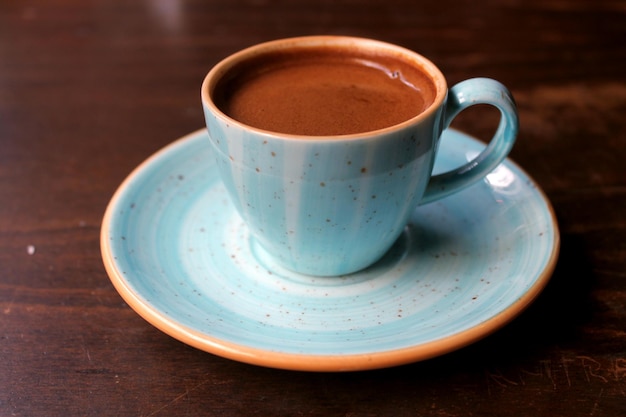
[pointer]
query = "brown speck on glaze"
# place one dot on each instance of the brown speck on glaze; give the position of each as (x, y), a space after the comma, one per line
(363, 170)
(273, 153)
(257, 169)
(322, 184)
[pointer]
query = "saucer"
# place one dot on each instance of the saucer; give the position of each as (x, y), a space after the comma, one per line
(181, 257)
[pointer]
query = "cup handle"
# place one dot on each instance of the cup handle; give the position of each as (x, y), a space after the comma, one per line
(461, 96)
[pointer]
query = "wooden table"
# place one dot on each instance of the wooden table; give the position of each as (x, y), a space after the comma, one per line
(88, 90)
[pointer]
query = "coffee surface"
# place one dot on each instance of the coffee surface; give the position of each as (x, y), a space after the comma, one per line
(324, 92)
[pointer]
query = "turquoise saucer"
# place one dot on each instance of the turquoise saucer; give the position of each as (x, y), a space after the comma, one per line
(181, 257)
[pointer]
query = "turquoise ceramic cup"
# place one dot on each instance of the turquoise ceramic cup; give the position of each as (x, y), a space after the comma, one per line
(330, 206)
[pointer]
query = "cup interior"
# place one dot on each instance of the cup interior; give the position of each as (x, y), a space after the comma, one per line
(341, 45)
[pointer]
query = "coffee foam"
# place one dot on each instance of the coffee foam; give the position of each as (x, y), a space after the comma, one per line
(324, 91)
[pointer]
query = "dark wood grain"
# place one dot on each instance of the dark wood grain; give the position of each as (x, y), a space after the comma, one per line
(88, 90)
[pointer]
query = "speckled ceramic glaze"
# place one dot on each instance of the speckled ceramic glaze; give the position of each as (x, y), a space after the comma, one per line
(180, 255)
(334, 205)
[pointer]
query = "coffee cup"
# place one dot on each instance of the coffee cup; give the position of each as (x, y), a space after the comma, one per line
(326, 144)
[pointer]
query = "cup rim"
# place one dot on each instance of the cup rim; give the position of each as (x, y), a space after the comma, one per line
(223, 66)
